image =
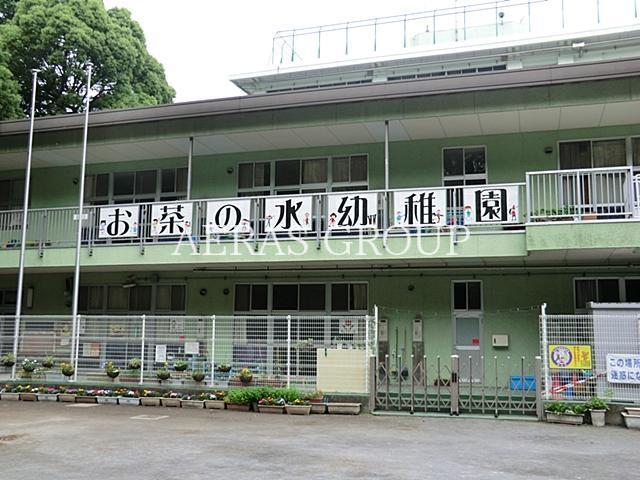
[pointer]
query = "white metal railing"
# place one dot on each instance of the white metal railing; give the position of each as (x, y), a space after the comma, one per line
(327, 352)
(379, 210)
(580, 194)
(636, 196)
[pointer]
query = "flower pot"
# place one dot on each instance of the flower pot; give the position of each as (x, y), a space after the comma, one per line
(107, 400)
(298, 409)
(344, 408)
(277, 409)
(134, 401)
(214, 404)
(597, 418)
(85, 399)
(28, 397)
(566, 418)
(318, 407)
(47, 397)
(192, 403)
(170, 402)
(632, 410)
(10, 396)
(238, 408)
(67, 397)
(631, 421)
(150, 401)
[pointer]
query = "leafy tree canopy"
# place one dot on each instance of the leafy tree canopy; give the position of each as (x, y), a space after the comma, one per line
(58, 37)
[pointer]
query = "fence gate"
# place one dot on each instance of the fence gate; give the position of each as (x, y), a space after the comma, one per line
(504, 385)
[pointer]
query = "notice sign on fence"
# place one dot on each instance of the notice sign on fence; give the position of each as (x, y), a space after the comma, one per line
(623, 368)
(570, 356)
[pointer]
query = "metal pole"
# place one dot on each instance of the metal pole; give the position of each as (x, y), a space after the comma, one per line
(23, 241)
(545, 350)
(288, 351)
(213, 349)
(142, 347)
(539, 403)
(366, 348)
(189, 169)
(83, 164)
(386, 154)
(76, 342)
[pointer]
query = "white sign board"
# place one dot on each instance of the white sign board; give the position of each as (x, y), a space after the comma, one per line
(348, 326)
(231, 216)
(171, 219)
(288, 214)
(348, 211)
(192, 348)
(119, 222)
(623, 368)
(489, 204)
(161, 353)
(419, 208)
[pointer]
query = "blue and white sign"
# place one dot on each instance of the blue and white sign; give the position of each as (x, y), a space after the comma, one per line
(623, 368)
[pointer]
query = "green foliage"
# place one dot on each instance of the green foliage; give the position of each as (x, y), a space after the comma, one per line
(180, 365)
(240, 396)
(67, 369)
(58, 37)
(8, 360)
(596, 403)
(48, 362)
(134, 364)
(254, 395)
(29, 365)
(163, 374)
(562, 408)
(198, 375)
(7, 10)
(111, 370)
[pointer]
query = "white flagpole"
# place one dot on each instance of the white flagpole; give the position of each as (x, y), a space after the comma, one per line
(23, 241)
(76, 276)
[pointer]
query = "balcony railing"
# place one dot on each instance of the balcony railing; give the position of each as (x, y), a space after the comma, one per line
(583, 194)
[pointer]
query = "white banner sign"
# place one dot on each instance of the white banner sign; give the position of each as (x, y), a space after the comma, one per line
(287, 214)
(623, 368)
(171, 219)
(489, 204)
(161, 353)
(419, 208)
(119, 222)
(231, 216)
(352, 211)
(348, 326)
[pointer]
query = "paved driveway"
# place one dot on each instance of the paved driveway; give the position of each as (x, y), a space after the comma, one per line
(55, 441)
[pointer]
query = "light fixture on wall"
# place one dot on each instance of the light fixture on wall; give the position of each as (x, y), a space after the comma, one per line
(203, 291)
(226, 291)
(548, 150)
(130, 282)
(229, 170)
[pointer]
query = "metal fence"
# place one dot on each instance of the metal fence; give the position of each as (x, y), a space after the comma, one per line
(591, 355)
(309, 352)
(454, 385)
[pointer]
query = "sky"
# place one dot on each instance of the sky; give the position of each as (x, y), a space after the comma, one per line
(201, 43)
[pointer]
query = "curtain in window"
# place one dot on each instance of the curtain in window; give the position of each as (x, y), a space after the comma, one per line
(609, 153)
(575, 155)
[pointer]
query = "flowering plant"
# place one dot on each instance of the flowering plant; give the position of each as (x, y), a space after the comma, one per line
(172, 394)
(125, 392)
(217, 395)
(245, 376)
(271, 401)
(150, 393)
(48, 361)
(300, 402)
(29, 365)
(67, 369)
(111, 370)
(196, 396)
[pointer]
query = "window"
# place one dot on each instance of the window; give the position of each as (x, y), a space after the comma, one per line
(170, 298)
(8, 299)
(138, 300)
(312, 297)
(11, 194)
(135, 187)
(467, 295)
(605, 290)
(464, 166)
(285, 297)
(635, 152)
(346, 297)
(310, 175)
(592, 154)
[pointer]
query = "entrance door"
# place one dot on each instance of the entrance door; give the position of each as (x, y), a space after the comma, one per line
(467, 332)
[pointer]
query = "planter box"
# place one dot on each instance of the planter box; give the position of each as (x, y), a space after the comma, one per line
(238, 408)
(298, 409)
(150, 401)
(214, 404)
(566, 418)
(632, 410)
(107, 400)
(28, 397)
(277, 409)
(67, 397)
(47, 397)
(318, 408)
(170, 402)
(631, 421)
(344, 408)
(192, 403)
(129, 401)
(85, 399)
(598, 418)
(14, 397)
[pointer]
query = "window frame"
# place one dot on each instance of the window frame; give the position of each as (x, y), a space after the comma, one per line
(464, 177)
(13, 181)
(467, 310)
(622, 289)
(627, 147)
(104, 310)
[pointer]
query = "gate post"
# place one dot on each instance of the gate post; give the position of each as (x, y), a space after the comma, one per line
(539, 402)
(213, 350)
(142, 348)
(373, 382)
(288, 351)
(545, 350)
(455, 386)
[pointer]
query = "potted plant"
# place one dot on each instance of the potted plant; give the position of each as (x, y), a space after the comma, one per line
(180, 365)
(67, 369)
(134, 364)
(128, 397)
(28, 394)
(344, 408)
(239, 399)
(245, 376)
(47, 394)
(150, 398)
(215, 400)
(197, 375)
(28, 366)
(195, 400)
(8, 360)
(271, 405)
(298, 407)
(67, 395)
(224, 368)
(163, 373)
(171, 399)
(597, 408)
(316, 400)
(562, 412)
(48, 362)
(111, 370)
(106, 397)
(86, 396)
(10, 392)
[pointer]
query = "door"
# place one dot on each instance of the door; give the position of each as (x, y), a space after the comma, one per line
(467, 332)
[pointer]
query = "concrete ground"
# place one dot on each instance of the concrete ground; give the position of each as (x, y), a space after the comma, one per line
(66, 441)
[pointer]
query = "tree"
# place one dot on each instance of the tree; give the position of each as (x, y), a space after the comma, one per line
(58, 37)
(7, 10)
(9, 88)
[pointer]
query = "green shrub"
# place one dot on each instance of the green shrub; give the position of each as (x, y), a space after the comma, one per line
(561, 408)
(240, 396)
(596, 403)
